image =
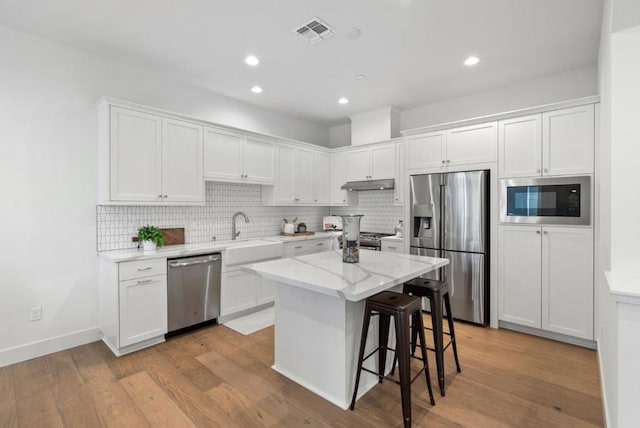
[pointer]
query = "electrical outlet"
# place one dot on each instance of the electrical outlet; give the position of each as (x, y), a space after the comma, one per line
(36, 313)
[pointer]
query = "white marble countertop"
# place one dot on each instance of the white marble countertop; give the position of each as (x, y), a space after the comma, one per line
(326, 273)
(132, 254)
(625, 287)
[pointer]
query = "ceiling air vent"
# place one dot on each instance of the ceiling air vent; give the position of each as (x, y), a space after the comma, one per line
(314, 30)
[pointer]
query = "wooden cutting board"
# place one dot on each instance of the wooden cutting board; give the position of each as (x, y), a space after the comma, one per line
(172, 236)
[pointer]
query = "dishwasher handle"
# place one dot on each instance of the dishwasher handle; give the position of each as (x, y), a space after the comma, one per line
(176, 264)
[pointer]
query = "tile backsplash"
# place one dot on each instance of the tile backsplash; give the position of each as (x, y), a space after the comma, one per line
(379, 213)
(116, 225)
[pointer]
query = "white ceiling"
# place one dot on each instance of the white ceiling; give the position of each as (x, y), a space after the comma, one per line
(410, 50)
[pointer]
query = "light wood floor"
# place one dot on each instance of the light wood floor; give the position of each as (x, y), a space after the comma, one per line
(216, 377)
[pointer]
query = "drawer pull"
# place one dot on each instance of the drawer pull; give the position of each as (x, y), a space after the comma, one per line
(391, 248)
(320, 243)
(145, 281)
(145, 268)
(298, 247)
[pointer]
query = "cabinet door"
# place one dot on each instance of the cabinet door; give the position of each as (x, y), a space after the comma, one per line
(520, 146)
(519, 275)
(318, 246)
(568, 141)
(304, 174)
(383, 162)
(286, 176)
(425, 151)
(398, 191)
(567, 281)
(238, 292)
(391, 246)
(339, 178)
(143, 309)
(321, 178)
(258, 161)
(136, 156)
(266, 290)
(472, 144)
(222, 155)
(182, 151)
(358, 165)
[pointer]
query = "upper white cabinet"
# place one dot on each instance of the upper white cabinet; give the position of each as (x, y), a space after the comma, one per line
(231, 156)
(303, 177)
(398, 192)
(339, 178)
(149, 159)
(371, 163)
(466, 145)
(546, 278)
(568, 141)
(559, 142)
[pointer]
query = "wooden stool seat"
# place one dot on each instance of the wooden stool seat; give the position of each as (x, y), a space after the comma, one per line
(404, 309)
(437, 292)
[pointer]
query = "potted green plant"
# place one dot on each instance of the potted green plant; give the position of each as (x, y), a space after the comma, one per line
(151, 237)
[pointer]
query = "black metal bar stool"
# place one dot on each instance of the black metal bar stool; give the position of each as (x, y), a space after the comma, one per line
(404, 309)
(436, 292)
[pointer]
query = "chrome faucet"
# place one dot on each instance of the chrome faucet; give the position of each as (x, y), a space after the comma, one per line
(235, 234)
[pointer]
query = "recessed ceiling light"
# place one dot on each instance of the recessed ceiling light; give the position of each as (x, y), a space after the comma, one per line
(343, 100)
(472, 60)
(252, 60)
(360, 76)
(256, 90)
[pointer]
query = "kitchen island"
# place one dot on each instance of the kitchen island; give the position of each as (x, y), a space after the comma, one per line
(319, 310)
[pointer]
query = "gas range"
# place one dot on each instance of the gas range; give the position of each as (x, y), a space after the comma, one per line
(370, 240)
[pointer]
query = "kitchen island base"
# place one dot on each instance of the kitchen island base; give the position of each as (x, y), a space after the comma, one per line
(317, 338)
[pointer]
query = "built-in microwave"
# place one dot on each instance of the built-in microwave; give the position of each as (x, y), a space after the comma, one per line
(546, 200)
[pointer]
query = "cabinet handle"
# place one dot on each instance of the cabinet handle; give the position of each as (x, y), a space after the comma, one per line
(144, 281)
(315, 200)
(391, 248)
(546, 170)
(538, 232)
(545, 232)
(344, 200)
(159, 196)
(165, 196)
(448, 161)
(320, 243)
(298, 247)
(443, 161)
(538, 170)
(145, 268)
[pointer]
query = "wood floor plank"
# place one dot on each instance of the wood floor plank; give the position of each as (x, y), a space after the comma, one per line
(73, 400)
(215, 376)
(156, 406)
(114, 406)
(8, 416)
(35, 402)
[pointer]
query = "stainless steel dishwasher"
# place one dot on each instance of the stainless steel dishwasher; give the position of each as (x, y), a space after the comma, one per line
(193, 290)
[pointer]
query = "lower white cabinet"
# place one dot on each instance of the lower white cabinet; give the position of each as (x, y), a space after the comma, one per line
(311, 246)
(392, 244)
(238, 292)
(133, 304)
(546, 278)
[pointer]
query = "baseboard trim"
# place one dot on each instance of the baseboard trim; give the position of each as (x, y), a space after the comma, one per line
(585, 343)
(48, 346)
(603, 389)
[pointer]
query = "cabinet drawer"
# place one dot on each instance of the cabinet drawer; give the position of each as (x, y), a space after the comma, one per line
(307, 247)
(392, 247)
(142, 268)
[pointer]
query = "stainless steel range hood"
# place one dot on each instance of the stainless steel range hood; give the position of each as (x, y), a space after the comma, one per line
(369, 185)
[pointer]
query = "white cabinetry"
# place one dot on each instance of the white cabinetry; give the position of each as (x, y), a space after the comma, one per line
(303, 177)
(392, 245)
(133, 304)
(338, 179)
(398, 192)
(238, 292)
(232, 156)
(559, 142)
(546, 278)
(310, 246)
(466, 145)
(372, 163)
(149, 159)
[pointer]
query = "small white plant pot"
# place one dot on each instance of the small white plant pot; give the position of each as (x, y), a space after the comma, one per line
(148, 245)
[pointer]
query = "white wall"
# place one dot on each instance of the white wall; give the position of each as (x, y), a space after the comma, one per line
(559, 87)
(340, 135)
(48, 171)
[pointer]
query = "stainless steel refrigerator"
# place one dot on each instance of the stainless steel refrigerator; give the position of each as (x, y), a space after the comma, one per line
(449, 218)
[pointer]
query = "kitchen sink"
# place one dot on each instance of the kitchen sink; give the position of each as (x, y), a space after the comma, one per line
(252, 251)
